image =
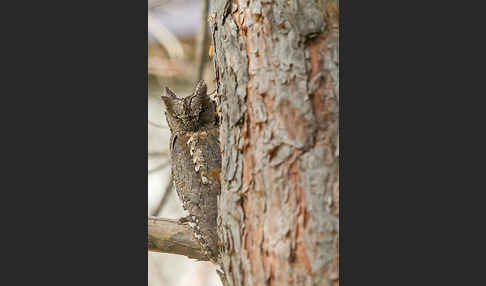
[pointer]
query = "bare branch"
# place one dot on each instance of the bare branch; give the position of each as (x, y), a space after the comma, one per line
(157, 3)
(158, 153)
(159, 167)
(170, 236)
(157, 125)
(165, 37)
(203, 40)
(165, 198)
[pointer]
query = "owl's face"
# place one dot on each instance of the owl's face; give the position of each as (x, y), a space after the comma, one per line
(183, 114)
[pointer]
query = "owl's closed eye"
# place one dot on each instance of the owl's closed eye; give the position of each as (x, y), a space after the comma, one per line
(184, 114)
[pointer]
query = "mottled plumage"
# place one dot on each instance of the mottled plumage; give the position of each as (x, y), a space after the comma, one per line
(196, 161)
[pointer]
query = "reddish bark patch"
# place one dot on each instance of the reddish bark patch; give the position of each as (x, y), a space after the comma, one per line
(300, 253)
(315, 51)
(289, 115)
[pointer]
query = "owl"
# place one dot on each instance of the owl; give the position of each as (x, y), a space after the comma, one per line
(196, 161)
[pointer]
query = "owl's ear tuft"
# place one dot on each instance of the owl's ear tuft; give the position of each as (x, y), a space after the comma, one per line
(199, 98)
(170, 93)
(201, 89)
(171, 102)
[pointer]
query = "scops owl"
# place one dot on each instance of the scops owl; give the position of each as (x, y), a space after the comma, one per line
(196, 161)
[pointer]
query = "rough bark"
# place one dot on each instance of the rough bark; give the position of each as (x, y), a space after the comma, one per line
(276, 65)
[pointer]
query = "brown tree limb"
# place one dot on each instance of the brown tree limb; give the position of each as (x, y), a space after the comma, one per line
(202, 40)
(157, 125)
(170, 236)
(159, 167)
(158, 153)
(165, 198)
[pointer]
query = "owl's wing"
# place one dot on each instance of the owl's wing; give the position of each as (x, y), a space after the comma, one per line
(183, 174)
(198, 189)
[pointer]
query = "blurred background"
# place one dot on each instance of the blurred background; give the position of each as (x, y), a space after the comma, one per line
(177, 58)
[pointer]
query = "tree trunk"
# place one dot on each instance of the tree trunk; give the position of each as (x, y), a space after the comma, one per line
(277, 66)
